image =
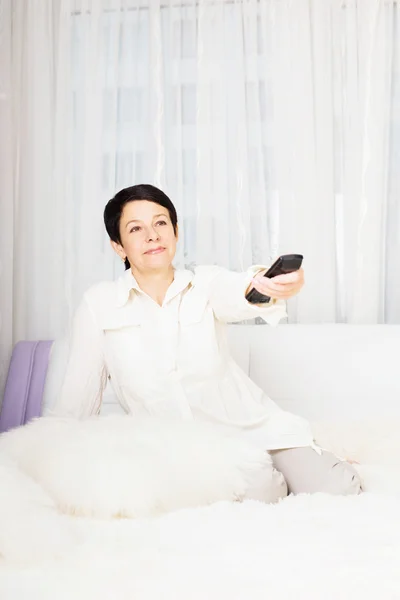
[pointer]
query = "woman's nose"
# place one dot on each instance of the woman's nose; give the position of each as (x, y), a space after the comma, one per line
(152, 236)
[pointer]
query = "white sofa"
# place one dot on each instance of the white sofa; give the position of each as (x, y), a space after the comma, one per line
(329, 372)
(343, 378)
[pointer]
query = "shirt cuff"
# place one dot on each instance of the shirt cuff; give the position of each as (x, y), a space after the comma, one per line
(271, 312)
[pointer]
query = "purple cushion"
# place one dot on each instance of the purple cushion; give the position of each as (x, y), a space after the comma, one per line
(25, 383)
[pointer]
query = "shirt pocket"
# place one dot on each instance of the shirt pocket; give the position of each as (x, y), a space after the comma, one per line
(123, 342)
(193, 310)
(198, 352)
(119, 318)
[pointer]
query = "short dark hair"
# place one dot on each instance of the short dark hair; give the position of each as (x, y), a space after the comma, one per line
(115, 206)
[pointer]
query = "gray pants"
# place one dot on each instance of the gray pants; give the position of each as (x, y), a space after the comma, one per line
(303, 470)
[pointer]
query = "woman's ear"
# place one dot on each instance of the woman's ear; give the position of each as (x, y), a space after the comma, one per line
(177, 232)
(118, 249)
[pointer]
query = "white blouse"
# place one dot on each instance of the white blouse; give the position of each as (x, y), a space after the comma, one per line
(173, 360)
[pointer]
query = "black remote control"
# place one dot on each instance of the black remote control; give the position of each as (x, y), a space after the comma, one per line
(286, 263)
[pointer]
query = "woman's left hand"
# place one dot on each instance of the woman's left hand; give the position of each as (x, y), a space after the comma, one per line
(280, 287)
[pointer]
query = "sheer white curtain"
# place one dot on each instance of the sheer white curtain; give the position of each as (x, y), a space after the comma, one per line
(273, 126)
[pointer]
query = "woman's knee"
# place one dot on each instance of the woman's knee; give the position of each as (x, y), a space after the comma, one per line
(307, 471)
(344, 480)
(269, 486)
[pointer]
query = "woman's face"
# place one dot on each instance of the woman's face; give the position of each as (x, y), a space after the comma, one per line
(147, 236)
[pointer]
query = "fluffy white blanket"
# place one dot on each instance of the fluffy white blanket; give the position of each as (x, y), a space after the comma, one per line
(314, 547)
(306, 547)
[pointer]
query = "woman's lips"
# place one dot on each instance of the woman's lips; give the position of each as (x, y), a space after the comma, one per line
(155, 251)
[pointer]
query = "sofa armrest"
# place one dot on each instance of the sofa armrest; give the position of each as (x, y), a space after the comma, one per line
(25, 383)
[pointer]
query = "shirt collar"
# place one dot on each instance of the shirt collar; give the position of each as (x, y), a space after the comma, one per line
(127, 282)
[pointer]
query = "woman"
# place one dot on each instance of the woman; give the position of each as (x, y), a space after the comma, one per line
(159, 335)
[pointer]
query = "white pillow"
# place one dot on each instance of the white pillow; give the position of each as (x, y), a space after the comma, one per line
(30, 524)
(374, 445)
(375, 442)
(120, 466)
(58, 360)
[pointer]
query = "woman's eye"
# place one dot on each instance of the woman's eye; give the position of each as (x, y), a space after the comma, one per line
(161, 222)
(136, 228)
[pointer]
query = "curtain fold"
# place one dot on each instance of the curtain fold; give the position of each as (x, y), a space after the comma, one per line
(7, 149)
